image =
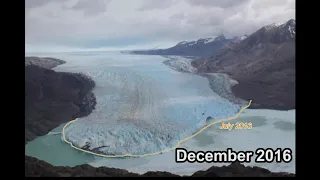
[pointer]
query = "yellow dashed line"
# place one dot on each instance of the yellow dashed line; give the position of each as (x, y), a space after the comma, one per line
(155, 153)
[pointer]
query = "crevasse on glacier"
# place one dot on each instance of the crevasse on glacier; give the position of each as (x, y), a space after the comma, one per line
(136, 114)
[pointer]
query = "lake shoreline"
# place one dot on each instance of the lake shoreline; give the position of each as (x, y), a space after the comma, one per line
(35, 167)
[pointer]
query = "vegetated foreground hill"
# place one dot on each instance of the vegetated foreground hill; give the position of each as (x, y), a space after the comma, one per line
(263, 64)
(201, 47)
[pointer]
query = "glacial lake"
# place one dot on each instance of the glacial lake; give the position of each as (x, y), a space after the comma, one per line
(183, 100)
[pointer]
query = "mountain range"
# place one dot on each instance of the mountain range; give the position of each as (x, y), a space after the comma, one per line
(198, 48)
(263, 64)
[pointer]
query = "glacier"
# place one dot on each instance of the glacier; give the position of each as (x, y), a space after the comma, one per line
(182, 97)
(140, 112)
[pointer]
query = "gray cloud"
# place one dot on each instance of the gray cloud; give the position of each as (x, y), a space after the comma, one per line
(29, 4)
(215, 3)
(89, 7)
(156, 4)
(34, 3)
(50, 22)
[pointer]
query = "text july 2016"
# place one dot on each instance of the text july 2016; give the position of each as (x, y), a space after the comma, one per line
(237, 125)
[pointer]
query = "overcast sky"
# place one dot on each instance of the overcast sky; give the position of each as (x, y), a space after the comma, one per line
(63, 25)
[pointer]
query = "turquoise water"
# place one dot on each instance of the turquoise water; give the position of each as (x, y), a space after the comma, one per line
(140, 100)
(56, 151)
(169, 103)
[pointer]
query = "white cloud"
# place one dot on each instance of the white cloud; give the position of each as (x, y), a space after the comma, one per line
(64, 23)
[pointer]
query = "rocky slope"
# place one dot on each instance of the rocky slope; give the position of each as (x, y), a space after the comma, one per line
(52, 98)
(201, 47)
(263, 64)
(44, 62)
(56, 97)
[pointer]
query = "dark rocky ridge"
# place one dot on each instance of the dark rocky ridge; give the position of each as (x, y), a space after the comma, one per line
(263, 64)
(52, 98)
(56, 97)
(38, 168)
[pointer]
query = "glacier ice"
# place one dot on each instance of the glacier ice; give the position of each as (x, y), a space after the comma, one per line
(137, 114)
(187, 94)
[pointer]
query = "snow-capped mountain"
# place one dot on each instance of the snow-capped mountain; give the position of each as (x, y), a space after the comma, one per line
(202, 47)
(275, 33)
(240, 38)
(192, 43)
(265, 61)
(201, 41)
